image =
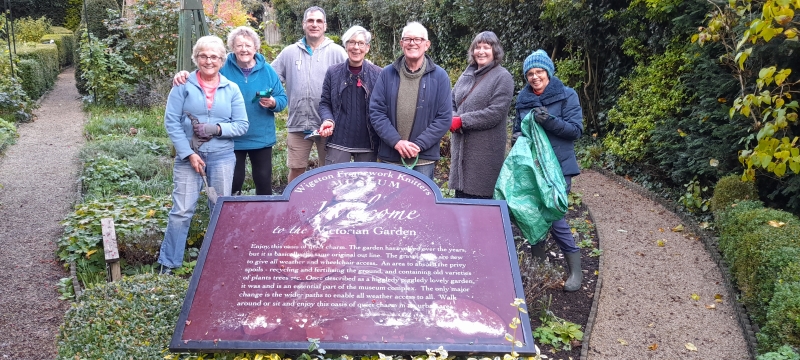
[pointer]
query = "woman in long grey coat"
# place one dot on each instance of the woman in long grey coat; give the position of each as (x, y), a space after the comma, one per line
(481, 99)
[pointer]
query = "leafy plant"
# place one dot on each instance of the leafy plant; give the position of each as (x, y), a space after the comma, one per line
(574, 199)
(730, 189)
(131, 214)
(693, 198)
(104, 69)
(555, 331)
(132, 318)
(785, 352)
(31, 30)
(106, 175)
(596, 252)
(65, 288)
(8, 134)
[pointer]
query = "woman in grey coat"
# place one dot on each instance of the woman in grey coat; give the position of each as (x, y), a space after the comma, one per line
(481, 99)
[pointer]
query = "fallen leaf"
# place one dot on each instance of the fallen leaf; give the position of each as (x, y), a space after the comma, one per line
(661, 229)
(661, 243)
(596, 195)
(623, 342)
(695, 297)
(678, 228)
(776, 224)
(653, 347)
(691, 347)
(623, 231)
(718, 298)
(651, 324)
(704, 225)
(713, 162)
(596, 273)
(711, 307)
(188, 322)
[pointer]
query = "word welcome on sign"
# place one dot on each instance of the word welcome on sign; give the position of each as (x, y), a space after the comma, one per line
(365, 257)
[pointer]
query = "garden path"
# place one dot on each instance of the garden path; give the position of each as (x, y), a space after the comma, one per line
(645, 308)
(38, 177)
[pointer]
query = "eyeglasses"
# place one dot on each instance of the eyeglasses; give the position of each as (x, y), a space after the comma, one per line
(357, 44)
(409, 40)
(213, 58)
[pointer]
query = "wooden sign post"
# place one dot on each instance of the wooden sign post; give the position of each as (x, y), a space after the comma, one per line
(110, 248)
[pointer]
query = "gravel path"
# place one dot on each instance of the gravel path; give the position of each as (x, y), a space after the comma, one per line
(38, 176)
(645, 308)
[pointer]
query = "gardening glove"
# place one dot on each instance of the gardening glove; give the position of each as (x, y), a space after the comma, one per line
(195, 142)
(541, 115)
(206, 131)
(456, 124)
(514, 137)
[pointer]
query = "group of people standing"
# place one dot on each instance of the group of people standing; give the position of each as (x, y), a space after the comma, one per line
(353, 110)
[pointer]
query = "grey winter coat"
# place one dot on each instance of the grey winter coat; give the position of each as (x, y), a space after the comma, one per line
(478, 151)
(303, 74)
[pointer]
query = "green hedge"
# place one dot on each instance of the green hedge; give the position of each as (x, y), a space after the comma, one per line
(65, 43)
(60, 30)
(38, 68)
(762, 248)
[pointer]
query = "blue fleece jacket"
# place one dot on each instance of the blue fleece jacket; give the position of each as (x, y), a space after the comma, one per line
(431, 121)
(227, 111)
(261, 132)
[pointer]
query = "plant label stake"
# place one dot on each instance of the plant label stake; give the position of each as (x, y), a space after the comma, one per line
(110, 248)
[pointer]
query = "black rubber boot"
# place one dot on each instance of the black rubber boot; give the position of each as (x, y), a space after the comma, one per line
(539, 251)
(575, 274)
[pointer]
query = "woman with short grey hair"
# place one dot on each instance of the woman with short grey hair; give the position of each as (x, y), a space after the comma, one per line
(344, 105)
(203, 141)
(481, 99)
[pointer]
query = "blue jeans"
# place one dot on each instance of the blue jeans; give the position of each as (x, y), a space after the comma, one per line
(187, 184)
(561, 231)
(426, 170)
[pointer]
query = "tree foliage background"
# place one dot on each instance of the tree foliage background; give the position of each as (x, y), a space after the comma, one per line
(673, 91)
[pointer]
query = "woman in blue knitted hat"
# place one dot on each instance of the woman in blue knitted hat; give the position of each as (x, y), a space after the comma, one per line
(558, 111)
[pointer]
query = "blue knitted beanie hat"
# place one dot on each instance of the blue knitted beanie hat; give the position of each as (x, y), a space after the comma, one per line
(539, 59)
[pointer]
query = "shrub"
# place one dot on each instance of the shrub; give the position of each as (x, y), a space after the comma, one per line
(73, 14)
(132, 318)
(151, 37)
(124, 147)
(65, 43)
(15, 104)
(731, 189)
(8, 134)
(61, 30)
(31, 30)
(782, 326)
(105, 71)
(96, 12)
(39, 73)
(133, 215)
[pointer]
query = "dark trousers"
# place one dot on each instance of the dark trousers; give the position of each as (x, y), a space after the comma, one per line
(462, 195)
(261, 163)
(561, 231)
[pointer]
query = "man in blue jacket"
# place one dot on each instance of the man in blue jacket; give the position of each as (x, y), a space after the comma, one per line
(411, 105)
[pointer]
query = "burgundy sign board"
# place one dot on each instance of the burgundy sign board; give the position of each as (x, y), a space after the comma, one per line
(364, 257)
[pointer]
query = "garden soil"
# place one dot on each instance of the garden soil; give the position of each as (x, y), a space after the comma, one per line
(39, 185)
(656, 302)
(646, 308)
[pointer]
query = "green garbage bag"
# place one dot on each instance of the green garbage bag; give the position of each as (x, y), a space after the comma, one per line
(532, 184)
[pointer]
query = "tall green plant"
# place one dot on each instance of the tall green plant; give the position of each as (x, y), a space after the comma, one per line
(758, 29)
(104, 70)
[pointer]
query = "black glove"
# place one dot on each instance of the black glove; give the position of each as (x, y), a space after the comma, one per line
(206, 131)
(541, 115)
(514, 137)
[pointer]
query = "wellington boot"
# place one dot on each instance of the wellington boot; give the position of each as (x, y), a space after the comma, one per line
(575, 274)
(539, 251)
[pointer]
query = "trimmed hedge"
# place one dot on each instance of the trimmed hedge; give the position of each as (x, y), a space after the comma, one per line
(762, 249)
(60, 30)
(130, 319)
(38, 68)
(65, 43)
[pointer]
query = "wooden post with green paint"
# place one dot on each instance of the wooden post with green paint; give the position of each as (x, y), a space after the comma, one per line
(191, 26)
